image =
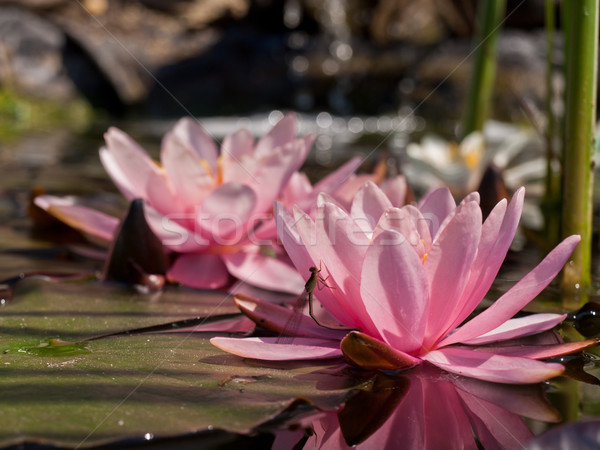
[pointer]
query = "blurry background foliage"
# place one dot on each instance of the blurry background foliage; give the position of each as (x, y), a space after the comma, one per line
(156, 58)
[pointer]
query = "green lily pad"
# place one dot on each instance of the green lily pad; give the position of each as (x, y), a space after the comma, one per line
(60, 387)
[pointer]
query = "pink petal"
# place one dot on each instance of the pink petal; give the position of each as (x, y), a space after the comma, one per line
(192, 178)
(84, 219)
(172, 234)
(282, 133)
(291, 240)
(447, 267)
(282, 320)
(297, 190)
(395, 189)
(399, 219)
(421, 223)
(328, 185)
(335, 180)
(395, 292)
(518, 296)
(126, 163)
(542, 351)
(271, 174)
(435, 206)
(514, 328)
(346, 192)
(490, 367)
(188, 133)
(477, 285)
(311, 253)
(497, 234)
(368, 206)
(160, 194)
(237, 145)
(199, 270)
(269, 349)
(224, 215)
(340, 249)
(267, 272)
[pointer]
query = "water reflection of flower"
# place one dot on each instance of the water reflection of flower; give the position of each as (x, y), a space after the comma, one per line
(214, 210)
(427, 409)
(404, 279)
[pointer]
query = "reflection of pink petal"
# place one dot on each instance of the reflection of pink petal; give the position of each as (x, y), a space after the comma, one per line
(84, 219)
(271, 350)
(525, 400)
(264, 271)
(199, 270)
(518, 296)
(515, 328)
(494, 425)
(491, 367)
(430, 417)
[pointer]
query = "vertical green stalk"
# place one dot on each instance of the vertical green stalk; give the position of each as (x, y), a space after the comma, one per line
(579, 136)
(491, 13)
(552, 197)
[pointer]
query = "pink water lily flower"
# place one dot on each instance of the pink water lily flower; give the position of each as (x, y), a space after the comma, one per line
(405, 279)
(213, 209)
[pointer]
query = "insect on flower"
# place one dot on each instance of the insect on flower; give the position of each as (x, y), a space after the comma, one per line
(315, 281)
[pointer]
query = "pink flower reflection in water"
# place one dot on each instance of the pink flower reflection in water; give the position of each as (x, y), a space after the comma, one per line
(427, 409)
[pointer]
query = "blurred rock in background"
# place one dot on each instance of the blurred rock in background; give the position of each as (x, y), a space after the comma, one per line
(214, 57)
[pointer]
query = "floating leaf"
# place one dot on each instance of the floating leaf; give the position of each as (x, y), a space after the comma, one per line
(62, 389)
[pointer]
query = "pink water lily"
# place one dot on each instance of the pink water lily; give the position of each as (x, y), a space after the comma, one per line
(405, 279)
(213, 209)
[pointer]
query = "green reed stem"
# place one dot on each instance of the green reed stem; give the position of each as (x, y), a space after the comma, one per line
(491, 13)
(579, 137)
(552, 197)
